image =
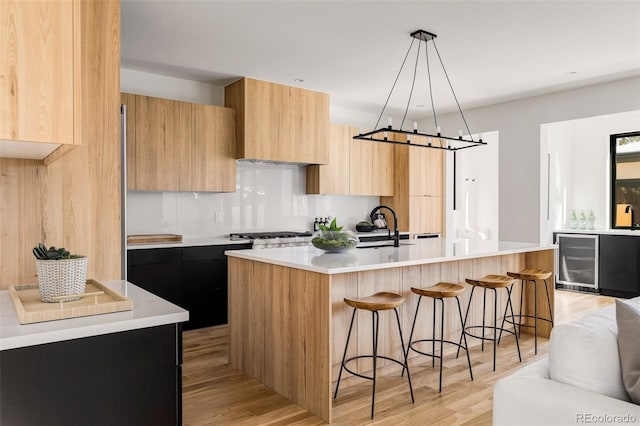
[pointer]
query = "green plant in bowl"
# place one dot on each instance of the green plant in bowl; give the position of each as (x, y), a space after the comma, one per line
(332, 238)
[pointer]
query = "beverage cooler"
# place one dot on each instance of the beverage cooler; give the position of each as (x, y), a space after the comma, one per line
(577, 261)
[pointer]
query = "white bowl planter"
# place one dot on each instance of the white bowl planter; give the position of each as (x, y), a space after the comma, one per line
(61, 278)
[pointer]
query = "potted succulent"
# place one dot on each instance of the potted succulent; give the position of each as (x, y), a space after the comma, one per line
(60, 273)
(333, 239)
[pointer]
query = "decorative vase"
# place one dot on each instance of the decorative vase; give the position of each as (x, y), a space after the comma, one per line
(61, 278)
(335, 241)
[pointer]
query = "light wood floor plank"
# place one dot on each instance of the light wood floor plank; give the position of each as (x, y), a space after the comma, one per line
(216, 394)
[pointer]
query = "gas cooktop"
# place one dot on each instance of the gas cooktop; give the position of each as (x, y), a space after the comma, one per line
(267, 235)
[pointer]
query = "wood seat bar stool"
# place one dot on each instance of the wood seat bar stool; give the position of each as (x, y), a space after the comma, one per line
(490, 282)
(530, 276)
(439, 292)
(378, 302)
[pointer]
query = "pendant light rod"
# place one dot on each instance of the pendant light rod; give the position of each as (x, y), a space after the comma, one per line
(426, 36)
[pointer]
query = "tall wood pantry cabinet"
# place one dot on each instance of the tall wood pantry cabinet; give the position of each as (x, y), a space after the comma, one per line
(418, 195)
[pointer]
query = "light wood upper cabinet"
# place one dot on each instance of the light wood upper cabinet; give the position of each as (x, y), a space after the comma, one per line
(129, 101)
(361, 179)
(279, 123)
(179, 146)
(162, 144)
(333, 177)
(38, 61)
(383, 168)
(213, 163)
(355, 167)
(372, 167)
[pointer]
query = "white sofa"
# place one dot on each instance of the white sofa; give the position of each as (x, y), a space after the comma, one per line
(579, 382)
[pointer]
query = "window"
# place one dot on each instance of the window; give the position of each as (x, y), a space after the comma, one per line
(625, 180)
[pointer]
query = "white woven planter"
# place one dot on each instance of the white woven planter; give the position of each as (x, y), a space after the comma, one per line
(61, 278)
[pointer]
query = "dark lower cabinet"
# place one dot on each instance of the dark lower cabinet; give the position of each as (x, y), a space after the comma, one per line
(619, 265)
(195, 278)
(157, 271)
(204, 285)
(125, 378)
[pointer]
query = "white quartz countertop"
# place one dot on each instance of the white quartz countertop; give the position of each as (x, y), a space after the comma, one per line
(223, 241)
(635, 233)
(411, 252)
(148, 310)
(189, 242)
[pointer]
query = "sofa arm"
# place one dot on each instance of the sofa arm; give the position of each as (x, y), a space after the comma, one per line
(530, 398)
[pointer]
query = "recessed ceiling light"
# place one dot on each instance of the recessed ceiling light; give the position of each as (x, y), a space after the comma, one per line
(298, 80)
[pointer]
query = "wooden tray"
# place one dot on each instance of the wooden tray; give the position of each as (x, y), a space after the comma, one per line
(97, 299)
(154, 238)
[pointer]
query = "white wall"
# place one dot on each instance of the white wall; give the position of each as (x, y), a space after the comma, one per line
(267, 197)
(162, 86)
(580, 171)
(477, 196)
(519, 125)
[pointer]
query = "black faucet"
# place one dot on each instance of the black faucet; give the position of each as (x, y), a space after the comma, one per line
(396, 233)
(633, 219)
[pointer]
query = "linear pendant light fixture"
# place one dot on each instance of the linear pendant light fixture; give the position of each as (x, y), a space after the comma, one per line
(414, 137)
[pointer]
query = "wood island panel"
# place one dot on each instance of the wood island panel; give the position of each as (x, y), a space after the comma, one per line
(280, 330)
(544, 260)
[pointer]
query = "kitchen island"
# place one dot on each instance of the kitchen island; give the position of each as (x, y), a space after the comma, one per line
(116, 368)
(288, 322)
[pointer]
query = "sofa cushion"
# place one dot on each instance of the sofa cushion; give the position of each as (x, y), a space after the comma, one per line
(628, 321)
(584, 353)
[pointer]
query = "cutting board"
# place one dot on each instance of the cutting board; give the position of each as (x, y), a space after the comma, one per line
(154, 238)
(622, 218)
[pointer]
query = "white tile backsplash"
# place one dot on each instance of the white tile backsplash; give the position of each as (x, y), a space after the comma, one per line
(268, 197)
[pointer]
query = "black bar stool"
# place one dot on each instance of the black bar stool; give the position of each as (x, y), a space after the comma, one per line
(490, 282)
(439, 292)
(530, 276)
(378, 302)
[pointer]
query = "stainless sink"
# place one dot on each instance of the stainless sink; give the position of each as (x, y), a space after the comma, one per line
(379, 244)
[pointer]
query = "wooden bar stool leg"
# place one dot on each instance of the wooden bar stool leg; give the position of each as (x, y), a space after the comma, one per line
(406, 366)
(344, 356)
(464, 336)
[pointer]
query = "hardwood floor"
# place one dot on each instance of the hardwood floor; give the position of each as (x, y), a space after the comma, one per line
(216, 394)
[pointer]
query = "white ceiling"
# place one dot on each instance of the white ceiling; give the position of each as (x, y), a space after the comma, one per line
(492, 50)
